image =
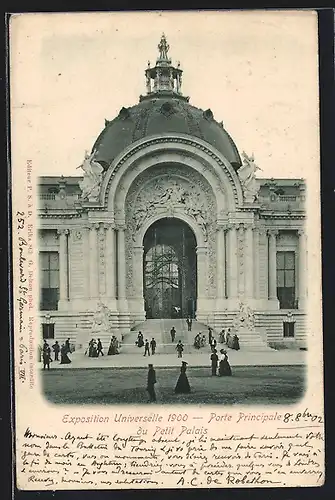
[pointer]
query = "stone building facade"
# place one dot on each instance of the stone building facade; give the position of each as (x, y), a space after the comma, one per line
(169, 221)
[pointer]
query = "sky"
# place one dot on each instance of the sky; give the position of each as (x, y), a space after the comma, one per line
(257, 71)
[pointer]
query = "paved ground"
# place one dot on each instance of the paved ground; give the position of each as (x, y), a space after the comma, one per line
(248, 385)
(202, 359)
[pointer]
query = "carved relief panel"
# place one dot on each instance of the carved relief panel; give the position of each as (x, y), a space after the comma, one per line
(167, 191)
(76, 259)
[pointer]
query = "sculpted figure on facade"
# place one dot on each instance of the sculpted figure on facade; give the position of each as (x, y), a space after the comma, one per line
(100, 323)
(158, 196)
(245, 320)
(247, 175)
(90, 185)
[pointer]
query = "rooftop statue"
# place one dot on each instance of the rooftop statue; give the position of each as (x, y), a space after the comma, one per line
(163, 48)
(90, 185)
(247, 175)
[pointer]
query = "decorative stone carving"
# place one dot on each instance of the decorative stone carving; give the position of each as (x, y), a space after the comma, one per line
(245, 320)
(101, 253)
(101, 322)
(162, 195)
(240, 253)
(77, 235)
(289, 317)
(164, 190)
(90, 185)
(179, 141)
(247, 177)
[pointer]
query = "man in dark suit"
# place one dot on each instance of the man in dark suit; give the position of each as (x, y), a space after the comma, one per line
(153, 345)
(67, 346)
(151, 383)
(99, 348)
(146, 348)
(46, 357)
(56, 349)
(214, 360)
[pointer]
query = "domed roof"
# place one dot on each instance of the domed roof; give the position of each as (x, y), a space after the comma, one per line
(163, 110)
(161, 114)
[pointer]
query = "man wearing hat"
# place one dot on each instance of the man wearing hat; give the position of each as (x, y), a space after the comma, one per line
(214, 360)
(151, 383)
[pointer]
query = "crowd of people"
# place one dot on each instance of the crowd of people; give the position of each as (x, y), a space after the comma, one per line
(199, 341)
(63, 350)
(149, 347)
(231, 340)
(225, 337)
(95, 348)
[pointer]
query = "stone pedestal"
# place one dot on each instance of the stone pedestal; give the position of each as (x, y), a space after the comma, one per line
(82, 340)
(251, 340)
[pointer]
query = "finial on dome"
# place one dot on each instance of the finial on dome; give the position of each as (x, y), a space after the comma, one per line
(164, 76)
(163, 48)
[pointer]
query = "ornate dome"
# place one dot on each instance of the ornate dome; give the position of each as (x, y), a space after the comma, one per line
(163, 110)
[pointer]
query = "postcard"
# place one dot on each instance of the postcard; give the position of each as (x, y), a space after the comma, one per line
(166, 250)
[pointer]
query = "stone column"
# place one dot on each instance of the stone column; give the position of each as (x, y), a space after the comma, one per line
(101, 259)
(93, 262)
(249, 262)
(121, 267)
(232, 262)
(63, 265)
(221, 263)
(110, 262)
(138, 271)
(302, 269)
(241, 258)
(87, 290)
(256, 263)
(272, 264)
(202, 271)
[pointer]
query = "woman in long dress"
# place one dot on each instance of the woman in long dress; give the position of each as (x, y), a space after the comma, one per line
(236, 343)
(64, 359)
(183, 386)
(224, 366)
(140, 341)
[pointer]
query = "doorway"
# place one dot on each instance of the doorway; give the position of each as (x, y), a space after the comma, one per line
(170, 270)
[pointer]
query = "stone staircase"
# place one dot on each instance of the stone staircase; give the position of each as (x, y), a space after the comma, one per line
(253, 341)
(79, 332)
(159, 329)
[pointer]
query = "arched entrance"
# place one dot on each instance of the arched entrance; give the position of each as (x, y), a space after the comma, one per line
(170, 270)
